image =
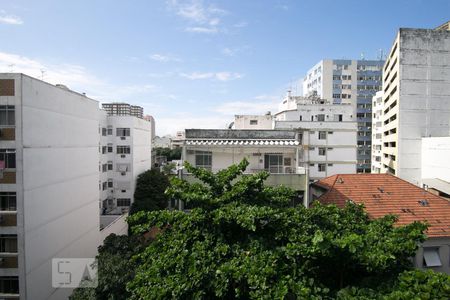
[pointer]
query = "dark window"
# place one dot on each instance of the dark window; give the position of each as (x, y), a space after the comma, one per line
(123, 149)
(8, 201)
(122, 131)
(203, 159)
(9, 158)
(123, 202)
(7, 115)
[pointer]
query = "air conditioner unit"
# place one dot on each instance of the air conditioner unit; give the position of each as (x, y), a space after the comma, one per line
(123, 173)
(122, 137)
(123, 155)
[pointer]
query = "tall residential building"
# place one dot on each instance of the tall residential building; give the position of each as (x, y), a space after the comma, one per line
(416, 86)
(51, 180)
(125, 152)
(123, 109)
(377, 131)
(328, 134)
(350, 82)
(48, 183)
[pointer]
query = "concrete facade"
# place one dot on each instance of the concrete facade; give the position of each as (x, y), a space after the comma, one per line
(377, 131)
(349, 82)
(254, 122)
(416, 85)
(329, 134)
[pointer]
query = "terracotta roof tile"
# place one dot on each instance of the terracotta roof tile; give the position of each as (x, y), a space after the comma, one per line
(384, 194)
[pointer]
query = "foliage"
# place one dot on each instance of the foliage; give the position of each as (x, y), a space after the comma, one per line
(415, 284)
(242, 239)
(115, 269)
(171, 154)
(149, 193)
(168, 168)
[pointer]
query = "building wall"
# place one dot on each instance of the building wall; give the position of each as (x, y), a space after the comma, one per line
(442, 245)
(435, 158)
(54, 158)
(420, 82)
(253, 121)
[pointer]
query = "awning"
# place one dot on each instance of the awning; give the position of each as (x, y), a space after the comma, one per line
(431, 257)
(243, 142)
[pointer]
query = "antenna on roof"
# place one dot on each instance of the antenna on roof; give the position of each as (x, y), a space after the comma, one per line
(380, 54)
(42, 74)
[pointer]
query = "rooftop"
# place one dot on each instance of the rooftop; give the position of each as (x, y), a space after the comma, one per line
(384, 194)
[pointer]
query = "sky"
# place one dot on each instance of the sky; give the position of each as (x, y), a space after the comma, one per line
(195, 64)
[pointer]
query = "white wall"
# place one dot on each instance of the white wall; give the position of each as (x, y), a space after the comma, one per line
(435, 158)
(244, 122)
(59, 156)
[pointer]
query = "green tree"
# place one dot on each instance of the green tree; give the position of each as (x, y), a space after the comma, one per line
(149, 193)
(115, 269)
(171, 154)
(242, 239)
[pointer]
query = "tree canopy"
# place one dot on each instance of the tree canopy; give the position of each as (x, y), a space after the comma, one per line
(242, 239)
(150, 191)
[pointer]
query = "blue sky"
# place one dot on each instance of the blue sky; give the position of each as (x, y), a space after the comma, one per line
(194, 64)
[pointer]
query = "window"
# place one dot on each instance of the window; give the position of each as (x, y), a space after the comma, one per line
(273, 163)
(122, 131)
(337, 96)
(6, 87)
(104, 131)
(322, 135)
(123, 168)
(337, 118)
(110, 165)
(300, 118)
(253, 122)
(123, 202)
(104, 168)
(109, 130)
(203, 159)
(311, 148)
(104, 149)
(287, 161)
(322, 151)
(431, 257)
(8, 243)
(321, 167)
(110, 148)
(311, 165)
(123, 149)
(110, 183)
(9, 284)
(8, 201)
(8, 156)
(330, 165)
(320, 118)
(104, 186)
(7, 115)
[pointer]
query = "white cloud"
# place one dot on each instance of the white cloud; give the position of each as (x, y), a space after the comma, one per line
(76, 77)
(228, 51)
(9, 19)
(164, 57)
(241, 24)
(202, 29)
(206, 18)
(221, 76)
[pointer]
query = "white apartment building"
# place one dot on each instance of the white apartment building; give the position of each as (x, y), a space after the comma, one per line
(349, 82)
(278, 152)
(123, 109)
(329, 134)
(125, 152)
(48, 183)
(377, 131)
(416, 86)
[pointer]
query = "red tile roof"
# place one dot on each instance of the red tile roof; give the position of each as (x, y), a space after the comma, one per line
(384, 194)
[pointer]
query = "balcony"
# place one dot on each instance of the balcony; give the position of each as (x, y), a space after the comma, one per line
(8, 262)
(8, 218)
